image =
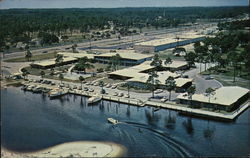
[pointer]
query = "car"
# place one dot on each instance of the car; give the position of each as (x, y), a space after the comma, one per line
(74, 87)
(96, 84)
(126, 96)
(115, 94)
(158, 91)
(45, 51)
(87, 83)
(114, 86)
(79, 88)
(185, 76)
(209, 78)
(85, 89)
(91, 90)
(108, 85)
(53, 83)
(120, 95)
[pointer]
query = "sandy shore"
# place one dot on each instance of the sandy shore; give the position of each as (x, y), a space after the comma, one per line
(72, 149)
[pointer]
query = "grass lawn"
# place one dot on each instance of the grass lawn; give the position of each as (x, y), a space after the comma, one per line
(33, 58)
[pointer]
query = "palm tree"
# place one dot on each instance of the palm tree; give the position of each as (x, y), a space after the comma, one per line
(74, 48)
(59, 60)
(233, 57)
(101, 83)
(81, 79)
(61, 77)
(170, 85)
(25, 73)
(209, 91)
(115, 61)
(191, 90)
(83, 64)
(190, 58)
(28, 55)
(128, 86)
(168, 61)
(152, 81)
(42, 73)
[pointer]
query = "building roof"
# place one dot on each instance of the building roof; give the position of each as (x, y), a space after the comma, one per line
(172, 39)
(50, 62)
(77, 55)
(223, 96)
(126, 55)
(162, 76)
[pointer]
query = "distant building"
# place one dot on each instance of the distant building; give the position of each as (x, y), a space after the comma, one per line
(50, 63)
(224, 98)
(162, 44)
(127, 58)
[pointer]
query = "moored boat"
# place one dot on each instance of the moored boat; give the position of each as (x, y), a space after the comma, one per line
(94, 99)
(112, 121)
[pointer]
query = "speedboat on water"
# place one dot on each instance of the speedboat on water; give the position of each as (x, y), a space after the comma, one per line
(94, 99)
(112, 121)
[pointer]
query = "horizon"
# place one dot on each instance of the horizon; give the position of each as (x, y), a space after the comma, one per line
(81, 4)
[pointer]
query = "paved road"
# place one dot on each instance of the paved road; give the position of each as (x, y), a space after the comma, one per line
(201, 83)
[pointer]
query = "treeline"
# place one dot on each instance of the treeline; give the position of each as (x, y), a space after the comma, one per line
(21, 25)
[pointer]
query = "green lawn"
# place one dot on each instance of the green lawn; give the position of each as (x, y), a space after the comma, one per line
(33, 58)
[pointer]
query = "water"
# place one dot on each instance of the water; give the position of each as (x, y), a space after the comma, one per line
(32, 121)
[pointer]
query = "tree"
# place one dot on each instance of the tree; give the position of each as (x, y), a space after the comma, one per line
(28, 55)
(191, 90)
(190, 58)
(83, 64)
(59, 60)
(74, 48)
(170, 85)
(210, 92)
(152, 81)
(115, 61)
(42, 73)
(25, 73)
(233, 57)
(101, 83)
(168, 61)
(61, 77)
(81, 79)
(157, 63)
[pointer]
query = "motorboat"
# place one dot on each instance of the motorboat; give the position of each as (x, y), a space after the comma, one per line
(56, 93)
(94, 99)
(112, 121)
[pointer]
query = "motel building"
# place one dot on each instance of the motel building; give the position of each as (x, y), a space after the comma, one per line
(127, 58)
(137, 76)
(224, 98)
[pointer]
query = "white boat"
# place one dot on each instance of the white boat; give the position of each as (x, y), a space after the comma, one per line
(56, 93)
(94, 99)
(112, 121)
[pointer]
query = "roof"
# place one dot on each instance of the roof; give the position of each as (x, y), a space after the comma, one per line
(171, 39)
(52, 61)
(126, 55)
(223, 96)
(162, 76)
(77, 55)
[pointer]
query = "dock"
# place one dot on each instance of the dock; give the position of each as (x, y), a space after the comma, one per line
(182, 109)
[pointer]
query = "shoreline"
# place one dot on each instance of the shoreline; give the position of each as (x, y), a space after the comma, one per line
(72, 149)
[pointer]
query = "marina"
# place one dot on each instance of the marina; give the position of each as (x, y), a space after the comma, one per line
(95, 97)
(69, 118)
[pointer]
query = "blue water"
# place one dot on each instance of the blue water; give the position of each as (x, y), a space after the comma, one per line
(32, 121)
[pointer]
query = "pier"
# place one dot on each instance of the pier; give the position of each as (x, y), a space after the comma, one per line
(182, 109)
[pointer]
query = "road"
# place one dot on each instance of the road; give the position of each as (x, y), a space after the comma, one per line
(112, 43)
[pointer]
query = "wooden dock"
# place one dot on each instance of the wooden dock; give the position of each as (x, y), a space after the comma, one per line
(182, 109)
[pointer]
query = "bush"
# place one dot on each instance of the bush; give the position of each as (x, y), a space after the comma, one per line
(100, 70)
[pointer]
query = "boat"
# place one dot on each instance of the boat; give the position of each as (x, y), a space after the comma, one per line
(94, 99)
(112, 121)
(56, 93)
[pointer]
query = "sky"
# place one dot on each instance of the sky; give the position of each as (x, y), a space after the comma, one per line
(6, 4)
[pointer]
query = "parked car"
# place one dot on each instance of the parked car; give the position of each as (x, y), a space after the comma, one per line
(158, 91)
(120, 95)
(114, 86)
(209, 78)
(91, 90)
(108, 85)
(115, 94)
(85, 89)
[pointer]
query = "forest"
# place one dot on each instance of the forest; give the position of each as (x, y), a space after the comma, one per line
(23, 25)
